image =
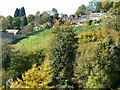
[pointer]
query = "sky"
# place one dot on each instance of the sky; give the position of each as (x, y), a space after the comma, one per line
(7, 7)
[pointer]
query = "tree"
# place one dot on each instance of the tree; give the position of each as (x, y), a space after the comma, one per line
(37, 14)
(114, 10)
(4, 23)
(112, 16)
(98, 7)
(6, 55)
(5, 59)
(44, 17)
(62, 52)
(27, 30)
(9, 20)
(106, 6)
(24, 21)
(92, 5)
(81, 10)
(16, 23)
(36, 77)
(16, 14)
(55, 13)
(30, 18)
(22, 12)
(97, 64)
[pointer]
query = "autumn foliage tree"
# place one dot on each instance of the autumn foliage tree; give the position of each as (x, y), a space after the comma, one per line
(36, 77)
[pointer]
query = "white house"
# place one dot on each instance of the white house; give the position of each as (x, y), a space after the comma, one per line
(96, 16)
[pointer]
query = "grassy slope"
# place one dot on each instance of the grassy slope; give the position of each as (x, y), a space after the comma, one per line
(34, 42)
(42, 39)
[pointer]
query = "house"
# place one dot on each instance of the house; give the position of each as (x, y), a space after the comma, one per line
(96, 16)
(78, 18)
(83, 18)
(8, 36)
(73, 19)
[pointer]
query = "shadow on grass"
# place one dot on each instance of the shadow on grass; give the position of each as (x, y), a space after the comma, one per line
(18, 39)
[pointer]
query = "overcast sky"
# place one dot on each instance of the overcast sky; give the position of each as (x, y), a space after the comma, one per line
(7, 7)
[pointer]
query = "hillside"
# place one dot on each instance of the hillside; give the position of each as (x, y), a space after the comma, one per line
(42, 39)
(34, 42)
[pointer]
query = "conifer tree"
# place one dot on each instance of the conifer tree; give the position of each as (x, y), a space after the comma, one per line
(24, 21)
(22, 12)
(16, 14)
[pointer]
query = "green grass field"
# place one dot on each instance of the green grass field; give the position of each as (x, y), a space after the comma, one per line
(42, 39)
(34, 42)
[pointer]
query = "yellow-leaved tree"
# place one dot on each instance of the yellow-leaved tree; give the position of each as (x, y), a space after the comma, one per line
(36, 77)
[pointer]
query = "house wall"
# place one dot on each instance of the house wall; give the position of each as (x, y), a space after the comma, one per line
(7, 37)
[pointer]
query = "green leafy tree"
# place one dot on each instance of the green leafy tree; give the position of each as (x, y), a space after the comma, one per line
(55, 13)
(30, 18)
(98, 7)
(9, 20)
(112, 16)
(16, 23)
(16, 14)
(6, 59)
(44, 17)
(81, 10)
(62, 52)
(4, 23)
(6, 55)
(114, 10)
(92, 5)
(27, 30)
(21, 62)
(37, 14)
(106, 6)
